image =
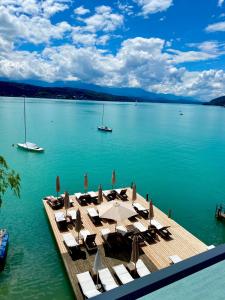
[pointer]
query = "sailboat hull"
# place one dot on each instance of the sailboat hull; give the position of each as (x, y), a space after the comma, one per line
(30, 147)
(106, 129)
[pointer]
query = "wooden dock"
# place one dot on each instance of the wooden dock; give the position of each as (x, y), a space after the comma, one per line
(155, 256)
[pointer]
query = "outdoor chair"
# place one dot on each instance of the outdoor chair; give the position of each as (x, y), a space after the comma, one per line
(94, 216)
(83, 199)
(87, 285)
(89, 240)
(141, 210)
(110, 195)
(161, 230)
(141, 268)
(53, 202)
(71, 244)
(107, 280)
(73, 215)
(145, 233)
(61, 220)
(122, 194)
(122, 274)
(93, 197)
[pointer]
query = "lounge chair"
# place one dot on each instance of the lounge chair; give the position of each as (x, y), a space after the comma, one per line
(94, 197)
(89, 240)
(60, 220)
(87, 285)
(53, 202)
(107, 280)
(145, 233)
(121, 229)
(122, 194)
(71, 244)
(110, 195)
(141, 268)
(83, 199)
(94, 216)
(141, 210)
(175, 259)
(73, 215)
(122, 274)
(161, 230)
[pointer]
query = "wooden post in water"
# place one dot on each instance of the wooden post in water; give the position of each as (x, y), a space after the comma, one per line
(170, 213)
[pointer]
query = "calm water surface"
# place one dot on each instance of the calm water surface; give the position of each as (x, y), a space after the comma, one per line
(178, 160)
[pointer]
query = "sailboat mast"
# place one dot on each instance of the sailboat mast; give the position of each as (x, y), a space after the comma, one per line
(102, 114)
(24, 118)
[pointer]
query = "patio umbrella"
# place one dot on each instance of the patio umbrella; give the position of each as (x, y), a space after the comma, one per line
(100, 198)
(151, 211)
(117, 211)
(78, 224)
(135, 250)
(134, 192)
(98, 265)
(66, 201)
(113, 178)
(57, 185)
(85, 182)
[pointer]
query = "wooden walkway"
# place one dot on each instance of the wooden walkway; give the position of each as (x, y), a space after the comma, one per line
(155, 256)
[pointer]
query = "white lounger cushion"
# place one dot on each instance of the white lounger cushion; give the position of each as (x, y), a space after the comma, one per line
(59, 216)
(77, 195)
(175, 259)
(84, 233)
(92, 212)
(140, 226)
(92, 194)
(107, 279)
(123, 274)
(210, 247)
(72, 213)
(121, 229)
(106, 192)
(156, 224)
(105, 232)
(142, 270)
(87, 285)
(118, 191)
(139, 206)
(69, 240)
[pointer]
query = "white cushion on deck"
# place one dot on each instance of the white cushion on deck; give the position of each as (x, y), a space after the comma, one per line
(175, 258)
(59, 216)
(106, 192)
(105, 232)
(87, 285)
(72, 213)
(84, 233)
(142, 270)
(69, 240)
(92, 194)
(107, 279)
(156, 224)
(139, 206)
(77, 195)
(123, 274)
(140, 226)
(210, 247)
(92, 212)
(121, 229)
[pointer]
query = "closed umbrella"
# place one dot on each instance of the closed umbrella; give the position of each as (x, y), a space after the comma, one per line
(57, 185)
(78, 224)
(100, 197)
(151, 211)
(66, 201)
(98, 265)
(134, 192)
(135, 250)
(113, 178)
(85, 183)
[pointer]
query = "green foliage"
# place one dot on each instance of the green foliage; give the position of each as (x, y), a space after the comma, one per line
(8, 179)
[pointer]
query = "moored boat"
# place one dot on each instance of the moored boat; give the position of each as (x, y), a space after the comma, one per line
(30, 147)
(4, 241)
(105, 128)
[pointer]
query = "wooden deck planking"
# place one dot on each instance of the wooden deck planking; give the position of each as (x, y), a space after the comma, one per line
(156, 256)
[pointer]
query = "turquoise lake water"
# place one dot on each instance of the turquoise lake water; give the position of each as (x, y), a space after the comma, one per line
(178, 160)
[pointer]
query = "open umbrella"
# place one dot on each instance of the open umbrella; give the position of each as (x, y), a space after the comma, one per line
(66, 201)
(135, 250)
(98, 265)
(78, 224)
(100, 198)
(151, 211)
(113, 178)
(117, 211)
(85, 183)
(134, 192)
(57, 185)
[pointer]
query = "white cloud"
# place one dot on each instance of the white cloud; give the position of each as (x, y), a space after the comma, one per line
(220, 3)
(153, 6)
(189, 56)
(220, 26)
(81, 10)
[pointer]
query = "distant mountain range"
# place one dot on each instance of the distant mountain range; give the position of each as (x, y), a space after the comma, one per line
(83, 91)
(220, 101)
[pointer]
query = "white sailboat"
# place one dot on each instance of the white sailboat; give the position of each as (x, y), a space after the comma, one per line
(28, 146)
(103, 127)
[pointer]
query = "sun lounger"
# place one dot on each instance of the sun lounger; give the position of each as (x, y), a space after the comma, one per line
(94, 197)
(73, 215)
(71, 244)
(60, 220)
(210, 247)
(93, 215)
(121, 229)
(107, 280)
(122, 194)
(122, 274)
(145, 233)
(110, 195)
(83, 199)
(175, 259)
(141, 210)
(161, 230)
(89, 240)
(87, 285)
(53, 202)
(141, 268)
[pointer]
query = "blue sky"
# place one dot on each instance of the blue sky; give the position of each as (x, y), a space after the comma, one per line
(161, 46)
